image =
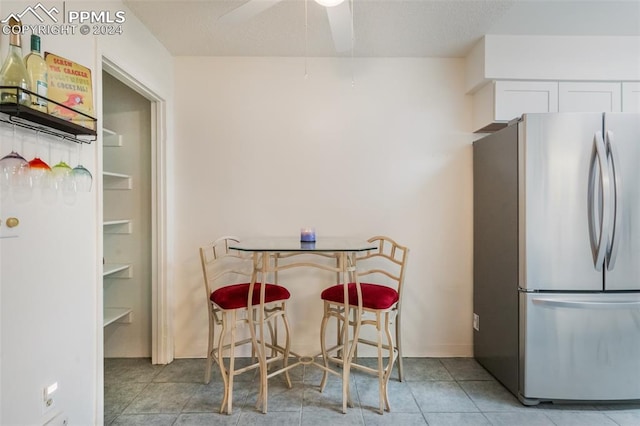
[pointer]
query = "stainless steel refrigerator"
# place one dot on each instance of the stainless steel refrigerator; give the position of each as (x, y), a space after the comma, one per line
(556, 293)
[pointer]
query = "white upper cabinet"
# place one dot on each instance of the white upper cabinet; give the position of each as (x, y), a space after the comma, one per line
(631, 97)
(499, 102)
(590, 96)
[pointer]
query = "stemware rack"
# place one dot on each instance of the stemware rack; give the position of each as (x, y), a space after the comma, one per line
(26, 117)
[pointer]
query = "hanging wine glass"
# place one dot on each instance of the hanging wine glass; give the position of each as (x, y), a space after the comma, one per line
(42, 178)
(48, 182)
(81, 175)
(21, 184)
(40, 170)
(83, 178)
(63, 175)
(12, 165)
(61, 171)
(66, 180)
(14, 174)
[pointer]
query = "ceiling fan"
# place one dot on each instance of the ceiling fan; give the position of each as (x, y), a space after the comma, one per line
(338, 13)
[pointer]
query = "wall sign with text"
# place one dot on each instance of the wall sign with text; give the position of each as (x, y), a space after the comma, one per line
(69, 84)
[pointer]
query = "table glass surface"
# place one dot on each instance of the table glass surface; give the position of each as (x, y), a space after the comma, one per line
(325, 244)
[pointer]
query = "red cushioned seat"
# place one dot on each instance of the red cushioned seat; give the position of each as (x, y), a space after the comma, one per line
(235, 296)
(374, 296)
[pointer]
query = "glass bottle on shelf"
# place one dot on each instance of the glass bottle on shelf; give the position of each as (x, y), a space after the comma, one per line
(13, 72)
(37, 70)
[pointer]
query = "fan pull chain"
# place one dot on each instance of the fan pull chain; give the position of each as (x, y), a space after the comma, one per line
(353, 78)
(306, 39)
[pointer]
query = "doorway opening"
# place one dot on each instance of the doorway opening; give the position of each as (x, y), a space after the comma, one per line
(134, 224)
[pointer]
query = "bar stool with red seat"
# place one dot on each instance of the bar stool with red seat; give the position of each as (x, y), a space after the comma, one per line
(226, 277)
(381, 276)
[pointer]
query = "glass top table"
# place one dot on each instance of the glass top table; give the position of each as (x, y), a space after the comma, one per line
(345, 251)
(285, 244)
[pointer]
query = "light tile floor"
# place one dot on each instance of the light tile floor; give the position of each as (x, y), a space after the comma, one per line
(436, 391)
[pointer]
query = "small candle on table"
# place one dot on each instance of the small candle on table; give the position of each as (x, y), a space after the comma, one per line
(307, 234)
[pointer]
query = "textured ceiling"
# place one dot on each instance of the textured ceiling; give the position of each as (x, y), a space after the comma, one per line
(382, 28)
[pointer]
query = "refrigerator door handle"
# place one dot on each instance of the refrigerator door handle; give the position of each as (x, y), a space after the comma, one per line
(572, 303)
(598, 235)
(612, 154)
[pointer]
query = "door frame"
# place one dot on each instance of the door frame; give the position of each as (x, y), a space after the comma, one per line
(162, 341)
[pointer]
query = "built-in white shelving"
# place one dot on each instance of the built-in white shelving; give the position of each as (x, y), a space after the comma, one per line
(120, 315)
(116, 181)
(113, 180)
(121, 226)
(116, 270)
(111, 138)
(116, 222)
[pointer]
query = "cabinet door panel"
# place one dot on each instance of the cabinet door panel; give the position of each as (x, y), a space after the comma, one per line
(590, 97)
(631, 97)
(514, 98)
(499, 102)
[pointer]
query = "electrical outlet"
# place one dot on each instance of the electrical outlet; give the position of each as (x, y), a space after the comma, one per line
(476, 322)
(48, 401)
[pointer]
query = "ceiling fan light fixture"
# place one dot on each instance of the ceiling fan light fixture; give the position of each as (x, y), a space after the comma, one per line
(329, 3)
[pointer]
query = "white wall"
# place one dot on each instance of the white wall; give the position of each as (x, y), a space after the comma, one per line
(262, 152)
(50, 309)
(48, 280)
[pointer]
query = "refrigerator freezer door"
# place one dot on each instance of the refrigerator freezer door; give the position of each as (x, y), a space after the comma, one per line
(580, 347)
(622, 136)
(555, 156)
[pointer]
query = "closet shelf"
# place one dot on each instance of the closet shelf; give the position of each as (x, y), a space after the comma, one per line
(23, 116)
(120, 315)
(115, 175)
(116, 180)
(113, 268)
(116, 222)
(111, 138)
(122, 226)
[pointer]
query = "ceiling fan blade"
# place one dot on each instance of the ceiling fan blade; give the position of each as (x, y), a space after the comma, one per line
(340, 22)
(247, 11)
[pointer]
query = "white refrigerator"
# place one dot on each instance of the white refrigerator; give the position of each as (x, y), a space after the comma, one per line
(557, 256)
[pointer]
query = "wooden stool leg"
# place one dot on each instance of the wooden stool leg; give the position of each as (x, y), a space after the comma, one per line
(232, 361)
(287, 344)
(381, 387)
(398, 346)
(220, 360)
(346, 364)
(323, 346)
(207, 370)
(389, 368)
